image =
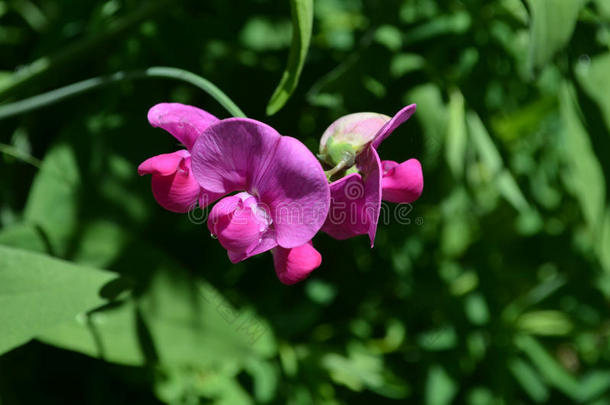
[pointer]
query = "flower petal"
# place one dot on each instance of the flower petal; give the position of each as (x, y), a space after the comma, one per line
(164, 164)
(243, 154)
(231, 152)
(295, 190)
(370, 165)
(184, 122)
(177, 192)
(235, 224)
(295, 264)
(402, 183)
(347, 215)
(400, 117)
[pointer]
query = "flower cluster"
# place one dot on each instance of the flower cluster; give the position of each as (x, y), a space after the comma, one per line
(270, 192)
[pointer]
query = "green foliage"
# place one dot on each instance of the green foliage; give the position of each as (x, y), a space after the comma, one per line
(38, 293)
(492, 288)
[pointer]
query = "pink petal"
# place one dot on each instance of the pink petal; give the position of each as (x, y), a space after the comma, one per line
(356, 201)
(176, 192)
(230, 153)
(295, 264)
(243, 154)
(402, 183)
(400, 117)
(295, 189)
(184, 122)
(370, 165)
(237, 224)
(164, 164)
(347, 215)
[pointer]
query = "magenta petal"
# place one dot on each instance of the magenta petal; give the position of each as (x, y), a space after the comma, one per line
(370, 165)
(231, 152)
(237, 224)
(176, 192)
(243, 154)
(295, 189)
(184, 122)
(356, 201)
(400, 117)
(402, 183)
(295, 264)
(164, 164)
(347, 215)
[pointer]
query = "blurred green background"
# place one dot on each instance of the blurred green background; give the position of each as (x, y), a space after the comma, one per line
(494, 288)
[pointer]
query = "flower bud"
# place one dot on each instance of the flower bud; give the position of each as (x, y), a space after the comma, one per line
(346, 137)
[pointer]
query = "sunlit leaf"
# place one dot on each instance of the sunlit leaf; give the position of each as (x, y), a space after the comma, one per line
(302, 22)
(53, 200)
(584, 176)
(529, 379)
(592, 76)
(551, 26)
(187, 324)
(456, 134)
(440, 387)
(38, 292)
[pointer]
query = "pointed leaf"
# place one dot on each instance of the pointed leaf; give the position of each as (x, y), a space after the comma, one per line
(302, 22)
(38, 292)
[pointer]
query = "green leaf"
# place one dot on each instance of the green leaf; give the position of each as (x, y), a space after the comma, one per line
(548, 367)
(551, 26)
(38, 292)
(529, 379)
(504, 180)
(109, 334)
(181, 321)
(440, 387)
(545, 322)
(302, 22)
(584, 177)
(593, 77)
(52, 203)
(22, 236)
(455, 151)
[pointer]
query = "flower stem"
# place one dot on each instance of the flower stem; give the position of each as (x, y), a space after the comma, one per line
(53, 96)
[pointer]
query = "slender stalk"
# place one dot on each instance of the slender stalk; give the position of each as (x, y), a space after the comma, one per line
(17, 154)
(54, 96)
(80, 48)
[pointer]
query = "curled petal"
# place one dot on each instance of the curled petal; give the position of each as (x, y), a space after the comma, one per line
(243, 154)
(184, 122)
(397, 120)
(295, 264)
(173, 184)
(238, 223)
(402, 183)
(164, 164)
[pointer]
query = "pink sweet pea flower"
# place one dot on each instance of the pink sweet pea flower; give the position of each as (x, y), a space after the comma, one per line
(351, 143)
(283, 195)
(173, 184)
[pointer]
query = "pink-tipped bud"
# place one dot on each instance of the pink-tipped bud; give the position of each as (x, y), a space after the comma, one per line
(346, 137)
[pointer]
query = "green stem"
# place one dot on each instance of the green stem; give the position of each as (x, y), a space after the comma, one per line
(17, 154)
(80, 47)
(54, 96)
